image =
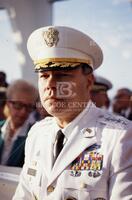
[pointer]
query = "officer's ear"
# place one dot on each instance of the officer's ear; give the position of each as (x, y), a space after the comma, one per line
(90, 81)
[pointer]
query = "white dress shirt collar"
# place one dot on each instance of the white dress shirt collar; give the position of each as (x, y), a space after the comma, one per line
(68, 129)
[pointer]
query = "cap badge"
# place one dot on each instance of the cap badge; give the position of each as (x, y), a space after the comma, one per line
(51, 37)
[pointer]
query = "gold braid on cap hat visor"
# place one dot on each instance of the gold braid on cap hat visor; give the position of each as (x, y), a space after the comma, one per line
(60, 62)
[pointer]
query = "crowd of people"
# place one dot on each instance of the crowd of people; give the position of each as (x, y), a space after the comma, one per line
(121, 104)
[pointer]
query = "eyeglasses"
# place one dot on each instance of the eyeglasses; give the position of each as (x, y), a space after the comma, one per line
(19, 105)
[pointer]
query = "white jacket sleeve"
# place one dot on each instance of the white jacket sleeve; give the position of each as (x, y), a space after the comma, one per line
(120, 182)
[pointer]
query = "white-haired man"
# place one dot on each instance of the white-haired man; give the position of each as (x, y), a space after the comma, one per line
(21, 100)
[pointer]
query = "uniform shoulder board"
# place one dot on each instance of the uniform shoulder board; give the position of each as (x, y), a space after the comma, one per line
(113, 120)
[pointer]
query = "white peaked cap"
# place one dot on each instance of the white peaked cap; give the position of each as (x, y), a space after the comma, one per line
(58, 45)
(102, 83)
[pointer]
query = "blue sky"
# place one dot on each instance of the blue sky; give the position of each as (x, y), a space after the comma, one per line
(109, 22)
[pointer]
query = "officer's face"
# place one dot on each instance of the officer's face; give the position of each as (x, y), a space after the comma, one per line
(64, 93)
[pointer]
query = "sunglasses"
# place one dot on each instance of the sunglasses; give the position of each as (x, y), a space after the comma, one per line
(19, 105)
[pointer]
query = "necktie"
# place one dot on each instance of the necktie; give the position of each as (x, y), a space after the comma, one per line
(59, 143)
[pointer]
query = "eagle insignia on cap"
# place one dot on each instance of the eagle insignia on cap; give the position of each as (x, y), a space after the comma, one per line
(51, 37)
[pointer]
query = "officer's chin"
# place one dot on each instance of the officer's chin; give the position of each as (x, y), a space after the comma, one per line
(57, 112)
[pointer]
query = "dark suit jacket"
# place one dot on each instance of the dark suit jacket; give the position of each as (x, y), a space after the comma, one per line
(16, 157)
(130, 116)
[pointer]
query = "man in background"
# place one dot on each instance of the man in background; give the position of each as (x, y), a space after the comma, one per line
(2, 104)
(21, 100)
(122, 103)
(3, 81)
(99, 92)
(3, 87)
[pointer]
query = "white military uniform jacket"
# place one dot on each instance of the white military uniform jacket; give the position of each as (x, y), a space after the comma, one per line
(94, 164)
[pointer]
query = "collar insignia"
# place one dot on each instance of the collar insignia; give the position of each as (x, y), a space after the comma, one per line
(88, 133)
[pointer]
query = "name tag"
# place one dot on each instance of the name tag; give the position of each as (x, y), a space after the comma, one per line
(31, 172)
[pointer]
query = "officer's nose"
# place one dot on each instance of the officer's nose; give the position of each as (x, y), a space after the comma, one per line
(51, 82)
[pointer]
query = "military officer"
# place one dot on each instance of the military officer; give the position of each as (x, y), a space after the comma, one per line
(82, 152)
(99, 92)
